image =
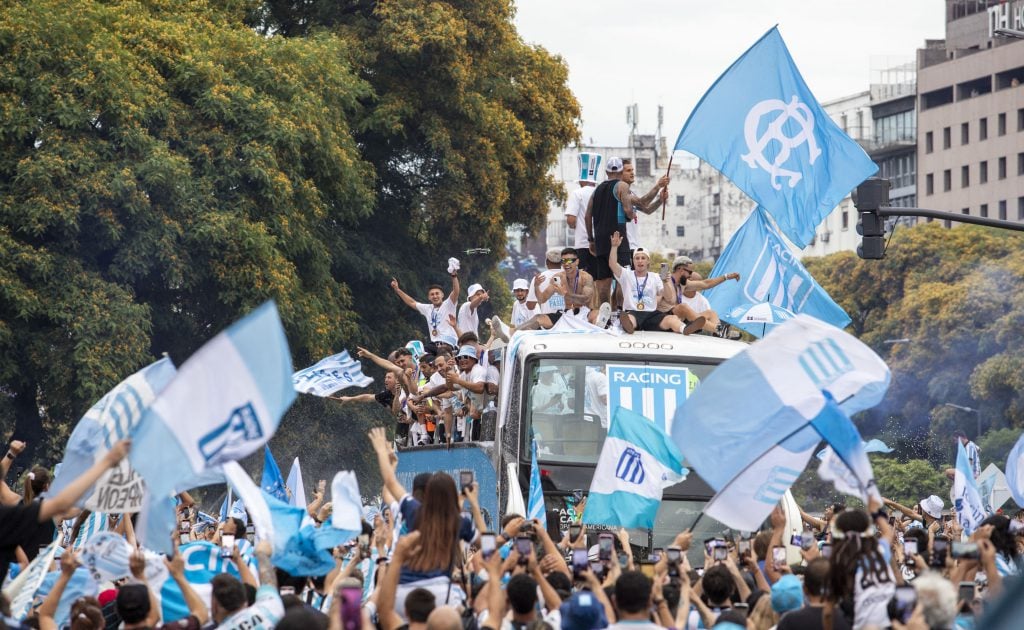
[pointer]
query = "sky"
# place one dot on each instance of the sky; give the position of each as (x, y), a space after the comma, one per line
(669, 52)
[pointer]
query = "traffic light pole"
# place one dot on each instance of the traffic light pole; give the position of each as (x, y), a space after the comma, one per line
(869, 199)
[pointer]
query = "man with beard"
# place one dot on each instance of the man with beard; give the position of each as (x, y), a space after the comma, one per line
(640, 292)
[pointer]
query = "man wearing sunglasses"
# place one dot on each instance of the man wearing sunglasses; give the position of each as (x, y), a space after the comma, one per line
(577, 290)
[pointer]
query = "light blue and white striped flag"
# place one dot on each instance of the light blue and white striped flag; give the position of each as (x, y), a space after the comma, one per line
(1015, 472)
(970, 509)
(769, 272)
(95, 523)
(747, 429)
(225, 403)
(846, 462)
(331, 374)
(638, 461)
(112, 418)
(536, 509)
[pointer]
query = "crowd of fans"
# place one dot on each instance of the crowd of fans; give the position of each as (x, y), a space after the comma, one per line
(426, 559)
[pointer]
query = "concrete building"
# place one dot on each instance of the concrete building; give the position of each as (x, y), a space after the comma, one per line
(704, 208)
(971, 113)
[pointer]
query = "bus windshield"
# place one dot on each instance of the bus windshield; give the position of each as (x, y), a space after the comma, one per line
(570, 401)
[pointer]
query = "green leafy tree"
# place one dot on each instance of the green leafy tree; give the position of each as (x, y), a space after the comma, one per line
(908, 482)
(164, 169)
(996, 444)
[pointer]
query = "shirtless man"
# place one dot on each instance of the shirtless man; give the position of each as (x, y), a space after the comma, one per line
(680, 297)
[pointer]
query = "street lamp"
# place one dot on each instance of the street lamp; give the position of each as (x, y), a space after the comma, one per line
(977, 412)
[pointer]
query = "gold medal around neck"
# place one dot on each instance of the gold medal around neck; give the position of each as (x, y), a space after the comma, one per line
(640, 306)
(434, 332)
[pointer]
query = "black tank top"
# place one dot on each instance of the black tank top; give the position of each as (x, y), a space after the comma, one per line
(605, 210)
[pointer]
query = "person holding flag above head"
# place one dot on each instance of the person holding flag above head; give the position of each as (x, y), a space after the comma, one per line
(609, 210)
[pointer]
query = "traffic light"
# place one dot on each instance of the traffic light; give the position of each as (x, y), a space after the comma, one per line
(871, 195)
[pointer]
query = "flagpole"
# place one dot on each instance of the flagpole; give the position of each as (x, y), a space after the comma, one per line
(667, 171)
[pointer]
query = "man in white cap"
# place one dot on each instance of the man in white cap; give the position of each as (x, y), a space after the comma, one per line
(610, 208)
(576, 206)
(554, 303)
(680, 296)
(520, 311)
(469, 319)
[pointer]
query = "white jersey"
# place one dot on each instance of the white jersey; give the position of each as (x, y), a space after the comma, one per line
(639, 290)
(262, 615)
(556, 302)
(872, 594)
(469, 318)
(698, 302)
(437, 318)
(520, 313)
(577, 207)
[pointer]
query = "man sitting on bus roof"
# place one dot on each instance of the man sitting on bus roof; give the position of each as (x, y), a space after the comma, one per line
(640, 292)
(680, 295)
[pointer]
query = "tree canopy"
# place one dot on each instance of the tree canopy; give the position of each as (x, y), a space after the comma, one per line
(165, 167)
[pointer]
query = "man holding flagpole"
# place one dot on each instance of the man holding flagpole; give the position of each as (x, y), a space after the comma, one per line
(608, 211)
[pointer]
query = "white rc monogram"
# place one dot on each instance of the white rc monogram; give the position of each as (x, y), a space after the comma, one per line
(756, 144)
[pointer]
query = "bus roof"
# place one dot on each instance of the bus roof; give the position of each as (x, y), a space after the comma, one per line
(666, 344)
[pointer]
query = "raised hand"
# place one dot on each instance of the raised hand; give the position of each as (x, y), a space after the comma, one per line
(616, 239)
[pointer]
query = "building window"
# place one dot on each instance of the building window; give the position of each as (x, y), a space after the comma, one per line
(1020, 163)
(965, 176)
(946, 138)
(965, 133)
(680, 230)
(680, 200)
(983, 172)
(929, 184)
(1002, 124)
(643, 167)
(984, 210)
(716, 199)
(1002, 210)
(1020, 119)
(983, 129)
(947, 180)
(1020, 208)
(947, 224)
(1002, 167)
(846, 220)
(965, 210)
(929, 142)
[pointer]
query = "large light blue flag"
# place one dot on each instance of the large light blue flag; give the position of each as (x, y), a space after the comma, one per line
(751, 448)
(970, 508)
(536, 509)
(272, 482)
(331, 374)
(638, 461)
(112, 418)
(769, 272)
(225, 402)
(762, 128)
(1015, 472)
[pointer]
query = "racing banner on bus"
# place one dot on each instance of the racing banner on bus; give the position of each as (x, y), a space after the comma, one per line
(652, 391)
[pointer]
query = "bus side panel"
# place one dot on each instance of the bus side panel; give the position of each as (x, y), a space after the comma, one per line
(414, 462)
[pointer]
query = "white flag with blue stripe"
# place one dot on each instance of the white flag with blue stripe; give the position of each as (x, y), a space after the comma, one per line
(536, 509)
(967, 501)
(1015, 472)
(638, 461)
(112, 418)
(225, 403)
(761, 126)
(769, 272)
(747, 429)
(331, 374)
